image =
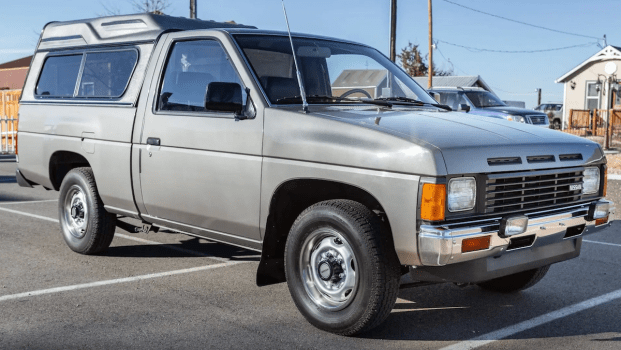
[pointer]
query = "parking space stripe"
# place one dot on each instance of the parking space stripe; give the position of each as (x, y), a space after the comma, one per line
(115, 281)
(136, 239)
(29, 202)
(604, 243)
(535, 322)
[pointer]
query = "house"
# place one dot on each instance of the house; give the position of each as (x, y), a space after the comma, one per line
(13, 74)
(583, 85)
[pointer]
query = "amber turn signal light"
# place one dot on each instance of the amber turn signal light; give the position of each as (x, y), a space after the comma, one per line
(601, 221)
(474, 244)
(433, 202)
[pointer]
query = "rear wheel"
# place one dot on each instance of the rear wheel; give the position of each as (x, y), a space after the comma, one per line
(516, 282)
(342, 273)
(86, 226)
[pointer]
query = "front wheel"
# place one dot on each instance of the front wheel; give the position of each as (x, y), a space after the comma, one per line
(516, 282)
(86, 226)
(342, 273)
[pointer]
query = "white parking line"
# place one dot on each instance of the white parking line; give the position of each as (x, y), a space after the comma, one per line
(29, 202)
(114, 281)
(136, 239)
(532, 323)
(604, 243)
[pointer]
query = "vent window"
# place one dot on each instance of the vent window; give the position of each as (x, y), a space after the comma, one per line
(59, 76)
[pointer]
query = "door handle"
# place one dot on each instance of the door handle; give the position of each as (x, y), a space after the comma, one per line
(153, 141)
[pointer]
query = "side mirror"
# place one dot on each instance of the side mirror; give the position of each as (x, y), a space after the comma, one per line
(463, 108)
(224, 97)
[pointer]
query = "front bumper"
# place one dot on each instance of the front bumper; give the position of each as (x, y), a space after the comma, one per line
(442, 245)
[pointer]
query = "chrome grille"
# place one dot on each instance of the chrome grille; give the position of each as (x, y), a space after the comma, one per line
(511, 192)
(537, 119)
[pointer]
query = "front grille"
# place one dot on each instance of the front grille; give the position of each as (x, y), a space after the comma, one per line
(537, 119)
(512, 192)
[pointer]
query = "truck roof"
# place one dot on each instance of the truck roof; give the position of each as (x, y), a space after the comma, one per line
(119, 29)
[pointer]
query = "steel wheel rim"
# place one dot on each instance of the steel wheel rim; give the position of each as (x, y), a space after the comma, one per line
(76, 212)
(326, 253)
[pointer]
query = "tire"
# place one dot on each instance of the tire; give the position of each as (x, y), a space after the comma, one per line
(516, 282)
(556, 124)
(86, 226)
(341, 241)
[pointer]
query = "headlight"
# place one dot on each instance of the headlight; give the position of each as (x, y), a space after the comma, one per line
(516, 118)
(590, 180)
(461, 194)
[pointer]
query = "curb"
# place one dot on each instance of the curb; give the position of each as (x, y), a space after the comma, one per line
(614, 177)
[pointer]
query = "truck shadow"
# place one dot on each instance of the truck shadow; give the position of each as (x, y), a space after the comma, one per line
(449, 313)
(188, 248)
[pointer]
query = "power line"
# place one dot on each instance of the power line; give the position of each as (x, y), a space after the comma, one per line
(475, 49)
(520, 22)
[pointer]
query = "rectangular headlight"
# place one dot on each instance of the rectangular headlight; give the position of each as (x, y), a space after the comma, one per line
(461, 194)
(590, 180)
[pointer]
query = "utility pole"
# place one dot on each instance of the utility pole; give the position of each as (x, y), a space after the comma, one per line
(538, 97)
(393, 30)
(430, 70)
(193, 9)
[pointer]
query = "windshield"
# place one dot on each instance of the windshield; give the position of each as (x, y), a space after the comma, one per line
(328, 68)
(482, 99)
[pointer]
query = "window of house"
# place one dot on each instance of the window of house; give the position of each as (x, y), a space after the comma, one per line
(106, 74)
(191, 66)
(592, 96)
(59, 76)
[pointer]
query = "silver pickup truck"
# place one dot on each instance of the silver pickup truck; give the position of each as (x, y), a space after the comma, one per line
(202, 127)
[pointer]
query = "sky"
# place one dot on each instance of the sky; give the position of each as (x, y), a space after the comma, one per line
(512, 76)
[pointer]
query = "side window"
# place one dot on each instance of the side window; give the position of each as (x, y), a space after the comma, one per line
(450, 99)
(106, 74)
(191, 66)
(59, 76)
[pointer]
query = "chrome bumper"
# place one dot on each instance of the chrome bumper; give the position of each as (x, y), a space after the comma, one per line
(442, 245)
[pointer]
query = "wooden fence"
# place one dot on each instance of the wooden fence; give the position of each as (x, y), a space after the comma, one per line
(593, 123)
(9, 107)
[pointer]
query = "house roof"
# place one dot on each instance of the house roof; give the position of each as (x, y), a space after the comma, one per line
(608, 53)
(23, 62)
(456, 81)
(360, 78)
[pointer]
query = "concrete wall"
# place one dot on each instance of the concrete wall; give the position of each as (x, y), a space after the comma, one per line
(576, 98)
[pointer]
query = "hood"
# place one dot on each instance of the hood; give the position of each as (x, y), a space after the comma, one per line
(468, 142)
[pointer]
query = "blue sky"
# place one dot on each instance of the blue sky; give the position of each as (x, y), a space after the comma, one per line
(512, 76)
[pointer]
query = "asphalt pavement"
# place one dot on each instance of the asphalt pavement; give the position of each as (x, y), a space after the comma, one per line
(167, 290)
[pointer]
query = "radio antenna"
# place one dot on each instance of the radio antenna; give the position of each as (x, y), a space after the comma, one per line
(295, 60)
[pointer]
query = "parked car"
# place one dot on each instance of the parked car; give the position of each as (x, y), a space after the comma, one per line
(554, 111)
(482, 102)
(202, 127)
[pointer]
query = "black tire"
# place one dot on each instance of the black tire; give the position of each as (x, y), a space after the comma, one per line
(86, 226)
(516, 282)
(556, 124)
(374, 266)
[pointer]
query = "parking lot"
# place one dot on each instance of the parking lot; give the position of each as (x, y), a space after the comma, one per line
(169, 290)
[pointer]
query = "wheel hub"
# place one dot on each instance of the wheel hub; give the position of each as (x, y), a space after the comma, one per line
(75, 212)
(329, 269)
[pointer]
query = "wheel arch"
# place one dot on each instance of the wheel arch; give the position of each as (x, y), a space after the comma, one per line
(61, 162)
(287, 202)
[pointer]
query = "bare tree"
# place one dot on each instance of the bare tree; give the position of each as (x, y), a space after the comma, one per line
(140, 6)
(151, 6)
(415, 64)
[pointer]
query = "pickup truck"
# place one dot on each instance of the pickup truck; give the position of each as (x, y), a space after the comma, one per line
(234, 134)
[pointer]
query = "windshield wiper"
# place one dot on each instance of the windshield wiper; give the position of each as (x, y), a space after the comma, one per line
(318, 98)
(405, 100)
